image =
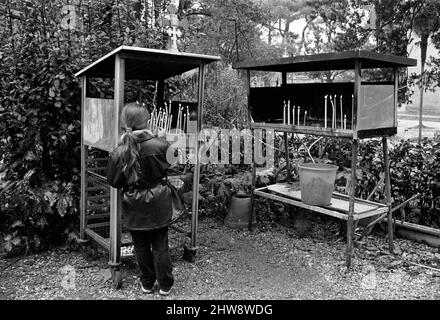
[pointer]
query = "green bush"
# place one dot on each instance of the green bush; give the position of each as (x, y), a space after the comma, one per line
(414, 169)
(36, 216)
(40, 112)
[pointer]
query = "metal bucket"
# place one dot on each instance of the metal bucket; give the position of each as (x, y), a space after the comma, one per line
(317, 182)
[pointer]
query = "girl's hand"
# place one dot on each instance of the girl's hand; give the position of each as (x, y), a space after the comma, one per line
(161, 133)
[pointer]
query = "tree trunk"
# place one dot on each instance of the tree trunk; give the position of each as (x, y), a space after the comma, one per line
(269, 35)
(423, 49)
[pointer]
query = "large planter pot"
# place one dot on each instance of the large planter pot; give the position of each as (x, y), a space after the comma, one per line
(239, 211)
(317, 182)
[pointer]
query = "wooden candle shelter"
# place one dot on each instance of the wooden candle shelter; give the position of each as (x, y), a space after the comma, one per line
(100, 217)
(350, 110)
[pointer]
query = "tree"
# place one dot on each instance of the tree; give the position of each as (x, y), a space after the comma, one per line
(333, 26)
(280, 14)
(426, 23)
(228, 28)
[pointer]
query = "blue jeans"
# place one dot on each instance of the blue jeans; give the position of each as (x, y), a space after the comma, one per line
(152, 253)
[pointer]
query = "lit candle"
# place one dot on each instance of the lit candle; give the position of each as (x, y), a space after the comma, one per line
(336, 110)
(153, 121)
(345, 122)
(293, 115)
(184, 122)
(170, 121)
(187, 118)
(305, 118)
(352, 108)
(284, 113)
(325, 111)
(342, 117)
(159, 116)
(299, 113)
(288, 112)
(159, 123)
(169, 113)
(178, 119)
(333, 111)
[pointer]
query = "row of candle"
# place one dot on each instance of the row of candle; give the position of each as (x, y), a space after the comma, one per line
(334, 102)
(182, 119)
(289, 111)
(160, 119)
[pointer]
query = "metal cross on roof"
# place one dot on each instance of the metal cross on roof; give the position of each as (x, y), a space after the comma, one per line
(173, 24)
(370, 24)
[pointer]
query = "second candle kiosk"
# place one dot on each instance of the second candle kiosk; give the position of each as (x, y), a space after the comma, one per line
(351, 110)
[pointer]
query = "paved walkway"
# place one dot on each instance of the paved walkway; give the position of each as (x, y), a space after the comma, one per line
(407, 126)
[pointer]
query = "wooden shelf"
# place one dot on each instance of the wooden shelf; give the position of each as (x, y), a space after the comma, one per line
(327, 132)
(339, 208)
(320, 131)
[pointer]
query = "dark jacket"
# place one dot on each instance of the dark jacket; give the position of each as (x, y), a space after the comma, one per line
(147, 205)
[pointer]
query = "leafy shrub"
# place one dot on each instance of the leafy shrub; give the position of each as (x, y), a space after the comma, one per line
(414, 169)
(36, 216)
(40, 112)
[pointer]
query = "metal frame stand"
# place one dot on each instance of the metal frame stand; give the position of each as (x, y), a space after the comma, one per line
(94, 188)
(355, 141)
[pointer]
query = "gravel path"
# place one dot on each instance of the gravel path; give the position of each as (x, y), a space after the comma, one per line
(270, 264)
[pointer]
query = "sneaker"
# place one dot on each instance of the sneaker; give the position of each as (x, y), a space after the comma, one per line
(147, 290)
(165, 292)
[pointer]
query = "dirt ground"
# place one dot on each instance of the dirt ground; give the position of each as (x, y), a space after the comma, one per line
(269, 263)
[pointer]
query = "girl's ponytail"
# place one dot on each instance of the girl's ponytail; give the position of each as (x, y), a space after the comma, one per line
(130, 156)
(133, 117)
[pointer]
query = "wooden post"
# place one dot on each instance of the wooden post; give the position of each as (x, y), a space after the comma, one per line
(350, 230)
(388, 193)
(354, 152)
(422, 92)
(254, 167)
(396, 94)
(283, 78)
(286, 137)
(195, 200)
(115, 199)
(357, 96)
(254, 176)
(84, 151)
(288, 168)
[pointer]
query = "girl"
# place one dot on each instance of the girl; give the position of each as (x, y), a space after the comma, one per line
(139, 166)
